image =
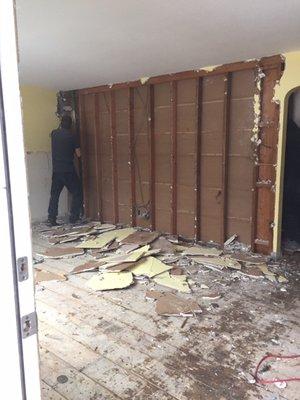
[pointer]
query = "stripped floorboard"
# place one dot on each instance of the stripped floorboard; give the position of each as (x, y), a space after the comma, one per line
(112, 345)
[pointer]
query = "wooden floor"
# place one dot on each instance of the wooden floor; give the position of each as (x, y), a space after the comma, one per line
(112, 345)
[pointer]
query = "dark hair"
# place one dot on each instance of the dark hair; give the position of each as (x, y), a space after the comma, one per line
(66, 122)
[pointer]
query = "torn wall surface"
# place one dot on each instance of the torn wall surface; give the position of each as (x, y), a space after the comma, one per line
(188, 150)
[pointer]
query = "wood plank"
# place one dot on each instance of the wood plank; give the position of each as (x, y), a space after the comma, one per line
(84, 165)
(98, 157)
(174, 156)
(132, 154)
(198, 159)
(225, 143)
(152, 155)
(113, 139)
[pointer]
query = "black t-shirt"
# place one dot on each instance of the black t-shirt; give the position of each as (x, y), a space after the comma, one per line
(63, 143)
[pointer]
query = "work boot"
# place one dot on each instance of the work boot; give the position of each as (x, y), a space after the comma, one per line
(52, 222)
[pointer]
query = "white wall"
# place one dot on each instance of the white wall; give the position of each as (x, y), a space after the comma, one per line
(39, 171)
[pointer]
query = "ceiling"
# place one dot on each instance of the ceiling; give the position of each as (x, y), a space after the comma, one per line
(70, 44)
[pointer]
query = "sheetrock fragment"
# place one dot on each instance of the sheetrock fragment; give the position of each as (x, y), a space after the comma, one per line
(88, 266)
(171, 305)
(141, 238)
(177, 282)
(121, 234)
(219, 262)
(110, 280)
(248, 258)
(144, 79)
(211, 296)
(61, 252)
(264, 268)
(105, 238)
(163, 245)
(42, 276)
(153, 294)
(202, 286)
(176, 271)
(252, 272)
(121, 267)
(127, 248)
(202, 251)
(123, 258)
(150, 266)
(282, 279)
(230, 240)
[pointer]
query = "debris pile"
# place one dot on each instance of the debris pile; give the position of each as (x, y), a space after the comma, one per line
(120, 256)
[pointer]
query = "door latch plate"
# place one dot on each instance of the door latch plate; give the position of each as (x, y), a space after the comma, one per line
(22, 266)
(29, 325)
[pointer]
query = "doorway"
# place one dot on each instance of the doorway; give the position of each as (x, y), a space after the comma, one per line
(291, 195)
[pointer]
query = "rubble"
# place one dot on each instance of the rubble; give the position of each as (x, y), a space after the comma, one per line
(43, 275)
(61, 252)
(110, 281)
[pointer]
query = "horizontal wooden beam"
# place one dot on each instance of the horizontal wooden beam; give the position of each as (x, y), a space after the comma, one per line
(266, 62)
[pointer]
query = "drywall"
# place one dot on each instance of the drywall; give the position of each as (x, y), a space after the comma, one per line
(288, 82)
(76, 44)
(39, 119)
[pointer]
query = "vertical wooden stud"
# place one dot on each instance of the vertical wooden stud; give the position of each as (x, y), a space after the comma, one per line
(132, 153)
(113, 139)
(98, 156)
(198, 159)
(225, 144)
(174, 156)
(152, 155)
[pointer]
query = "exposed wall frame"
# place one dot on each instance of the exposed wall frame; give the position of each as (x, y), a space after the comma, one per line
(262, 203)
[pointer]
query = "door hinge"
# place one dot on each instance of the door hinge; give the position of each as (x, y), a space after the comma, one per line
(22, 267)
(29, 325)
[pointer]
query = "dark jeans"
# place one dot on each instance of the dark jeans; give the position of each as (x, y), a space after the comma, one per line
(73, 184)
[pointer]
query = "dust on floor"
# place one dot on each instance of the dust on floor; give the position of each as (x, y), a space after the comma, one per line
(113, 344)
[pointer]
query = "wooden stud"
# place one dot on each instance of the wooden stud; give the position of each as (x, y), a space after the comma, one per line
(132, 153)
(98, 156)
(152, 155)
(113, 139)
(174, 156)
(198, 159)
(83, 162)
(225, 143)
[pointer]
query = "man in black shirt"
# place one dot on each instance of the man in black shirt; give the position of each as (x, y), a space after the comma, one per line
(64, 144)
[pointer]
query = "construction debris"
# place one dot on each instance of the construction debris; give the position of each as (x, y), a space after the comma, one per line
(230, 240)
(177, 282)
(141, 238)
(61, 252)
(163, 245)
(217, 262)
(86, 267)
(150, 267)
(202, 251)
(110, 280)
(42, 276)
(171, 305)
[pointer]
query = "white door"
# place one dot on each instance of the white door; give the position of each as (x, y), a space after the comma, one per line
(19, 367)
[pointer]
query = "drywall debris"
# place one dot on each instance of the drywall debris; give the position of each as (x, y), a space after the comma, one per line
(176, 271)
(248, 258)
(202, 286)
(122, 234)
(153, 294)
(88, 266)
(230, 240)
(61, 252)
(42, 276)
(170, 304)
(126, 248)
(177, 282)
(163, 245)
(252, 272)
(121, 267)
(211, 296)
(150, 267)
(96, 253)
(110, 281)
(144, 79)
(201, 251)
(141, 238)
(217, 262)
(209, 68)
(105, 238)
(123, 258)
(282, 279)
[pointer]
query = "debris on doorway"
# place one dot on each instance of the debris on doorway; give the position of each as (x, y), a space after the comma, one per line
(61, 252)
(42, 276)
(110, 281)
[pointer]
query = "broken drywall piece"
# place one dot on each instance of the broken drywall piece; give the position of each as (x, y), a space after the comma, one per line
(127, 248)
(202, 251)
(43, 276)
(217, 262)
(230, 240)
(150, 267)
(248, 258)
(153, 294)
(140, 238)
(282, 279)
(121, 267)
(177, 282)
(202, 286)
(170, 304)
(110, 281)
(86, 267)
(163, 245)
(105, 238)
(61, 252)
(252, 272)
(144, 79)
(97, 253)
(176, 271)
(125, 258)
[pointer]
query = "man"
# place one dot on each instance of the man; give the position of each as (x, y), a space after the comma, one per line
(64, 144)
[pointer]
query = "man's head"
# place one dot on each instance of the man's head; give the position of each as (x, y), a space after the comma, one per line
(66, 122)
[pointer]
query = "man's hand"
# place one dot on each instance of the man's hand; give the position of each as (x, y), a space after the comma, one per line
(78, 152)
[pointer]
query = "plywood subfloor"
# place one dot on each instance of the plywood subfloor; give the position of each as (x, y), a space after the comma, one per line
(112, 345)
